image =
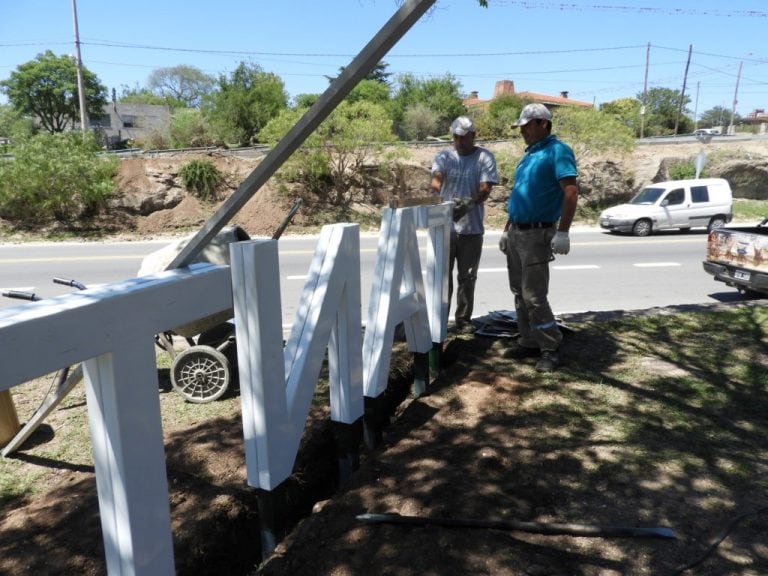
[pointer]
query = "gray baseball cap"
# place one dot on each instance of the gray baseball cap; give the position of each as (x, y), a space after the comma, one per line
(462, 125)
(533, 111)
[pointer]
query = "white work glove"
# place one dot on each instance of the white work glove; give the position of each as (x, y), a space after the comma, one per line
(561, 243)
(503, 241)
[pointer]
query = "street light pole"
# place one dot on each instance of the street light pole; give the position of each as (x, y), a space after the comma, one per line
(79, 65)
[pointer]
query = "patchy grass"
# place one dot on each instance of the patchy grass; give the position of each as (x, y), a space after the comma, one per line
(652, 420)
(745, 210)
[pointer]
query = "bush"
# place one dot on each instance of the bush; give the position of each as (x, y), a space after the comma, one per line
(330, 159)
(201, 178)
(682, 171)
(60, 177)
(592, 133)
(189, 129)
(420, 121)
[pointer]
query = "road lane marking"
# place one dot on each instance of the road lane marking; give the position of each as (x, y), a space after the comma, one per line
(479, 270)
(67, 259)
(656, 264)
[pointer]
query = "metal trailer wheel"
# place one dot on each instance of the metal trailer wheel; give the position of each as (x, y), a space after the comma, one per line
(642, 227)
(201, 374)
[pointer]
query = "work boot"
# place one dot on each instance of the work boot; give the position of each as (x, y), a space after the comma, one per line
(465, 328)
(519, 352)
(548, 362)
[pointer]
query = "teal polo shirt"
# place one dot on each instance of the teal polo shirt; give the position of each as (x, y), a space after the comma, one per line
(536, 195)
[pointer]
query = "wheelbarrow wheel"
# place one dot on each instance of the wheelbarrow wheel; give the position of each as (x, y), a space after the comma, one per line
(201, 374)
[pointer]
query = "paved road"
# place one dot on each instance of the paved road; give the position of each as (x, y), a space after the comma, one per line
(602, 272)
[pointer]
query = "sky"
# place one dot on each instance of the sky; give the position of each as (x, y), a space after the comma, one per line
(595, 50)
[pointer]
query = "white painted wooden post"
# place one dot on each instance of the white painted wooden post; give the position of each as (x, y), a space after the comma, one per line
(397, 295)
(276, 385)
(129, 457)
(437, 219)
(111, 329)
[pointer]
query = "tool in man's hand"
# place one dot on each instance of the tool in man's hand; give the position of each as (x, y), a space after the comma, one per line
(461, 207)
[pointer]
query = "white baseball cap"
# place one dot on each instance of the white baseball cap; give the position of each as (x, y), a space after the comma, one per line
(462, 125)
(533, 111)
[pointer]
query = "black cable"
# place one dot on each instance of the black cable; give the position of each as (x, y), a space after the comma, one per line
(712, 547)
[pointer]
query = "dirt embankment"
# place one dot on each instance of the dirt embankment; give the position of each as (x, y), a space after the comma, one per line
(152, 202)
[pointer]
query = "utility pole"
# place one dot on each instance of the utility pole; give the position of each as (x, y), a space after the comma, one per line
(645, 91)
(79, 64)
(696, 108)
(735, 100)
(682, 92)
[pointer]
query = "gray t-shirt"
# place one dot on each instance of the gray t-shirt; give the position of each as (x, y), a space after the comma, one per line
(462, 176)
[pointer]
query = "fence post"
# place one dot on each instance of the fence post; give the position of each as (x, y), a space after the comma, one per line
(129, 458)
(9, 421)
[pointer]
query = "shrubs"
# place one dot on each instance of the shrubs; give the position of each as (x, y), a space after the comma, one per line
(55, 177)
(682, 171)
(201, 178)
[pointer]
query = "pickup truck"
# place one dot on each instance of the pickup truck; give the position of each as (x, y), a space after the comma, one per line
(739, 257)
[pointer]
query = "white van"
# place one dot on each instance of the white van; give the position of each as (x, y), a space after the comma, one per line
(683, 204)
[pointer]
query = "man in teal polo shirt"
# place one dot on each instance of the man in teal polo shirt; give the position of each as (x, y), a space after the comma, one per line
(541, 206)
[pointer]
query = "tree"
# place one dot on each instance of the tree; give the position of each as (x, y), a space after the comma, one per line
(139, 95)
(14, 125)
(335, 152)
(46, 88)
(369, 91)
(188, 129)
(181, 85)
(503, 111)
(243, 104)
(661, 107)
(717, 116)
(624, 110)
(442, 95)
(305, 100)
(377, 74)
(419, 122)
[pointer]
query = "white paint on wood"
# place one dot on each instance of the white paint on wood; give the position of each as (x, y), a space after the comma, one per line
(397, 295)
(276, 385)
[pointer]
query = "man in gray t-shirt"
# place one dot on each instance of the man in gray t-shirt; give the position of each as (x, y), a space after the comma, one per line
(465, 175)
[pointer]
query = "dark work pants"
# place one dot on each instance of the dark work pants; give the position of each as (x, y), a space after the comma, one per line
(466, 250)
(528, 256)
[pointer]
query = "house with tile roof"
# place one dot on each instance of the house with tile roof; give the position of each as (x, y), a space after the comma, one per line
(507, 87)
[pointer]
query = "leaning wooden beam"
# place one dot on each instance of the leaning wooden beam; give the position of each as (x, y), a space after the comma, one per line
(361, 65)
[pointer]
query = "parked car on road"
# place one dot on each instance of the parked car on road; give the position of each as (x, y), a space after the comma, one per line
(683, 204)
(704, 131)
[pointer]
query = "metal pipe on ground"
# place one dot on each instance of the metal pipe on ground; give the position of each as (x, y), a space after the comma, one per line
(550, 529)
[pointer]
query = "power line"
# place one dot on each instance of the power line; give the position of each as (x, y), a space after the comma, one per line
(109, 44)
(740, 58)
(636, 9)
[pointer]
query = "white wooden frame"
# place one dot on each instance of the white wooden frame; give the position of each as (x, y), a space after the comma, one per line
(276, 384)
(110, 329)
